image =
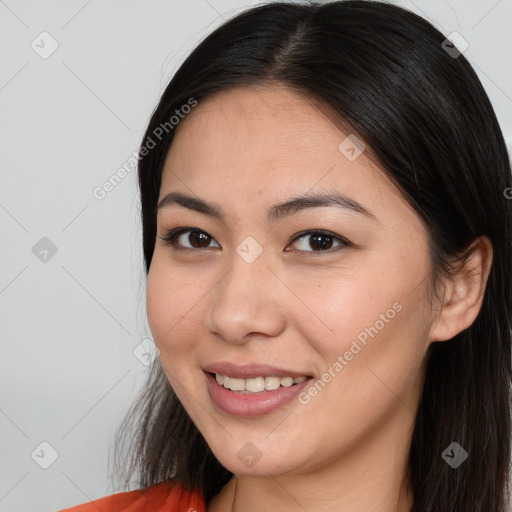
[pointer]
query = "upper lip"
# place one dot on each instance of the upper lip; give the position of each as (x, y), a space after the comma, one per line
(250, 371)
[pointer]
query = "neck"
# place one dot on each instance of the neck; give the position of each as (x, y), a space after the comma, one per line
(295, 494)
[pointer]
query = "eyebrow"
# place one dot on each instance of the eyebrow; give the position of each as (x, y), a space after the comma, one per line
(275, 212)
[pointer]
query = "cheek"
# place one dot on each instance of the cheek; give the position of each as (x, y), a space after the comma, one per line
(366, 314)
(339, 306)
(173, 303)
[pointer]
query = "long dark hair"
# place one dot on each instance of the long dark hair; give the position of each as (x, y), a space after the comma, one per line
(384, 74)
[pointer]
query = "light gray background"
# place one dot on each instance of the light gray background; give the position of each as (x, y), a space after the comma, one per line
(69, 325)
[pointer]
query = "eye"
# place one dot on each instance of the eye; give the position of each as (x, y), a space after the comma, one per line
(319, 240)
(197, 238)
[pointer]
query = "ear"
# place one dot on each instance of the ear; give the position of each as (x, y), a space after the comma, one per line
(464, 291)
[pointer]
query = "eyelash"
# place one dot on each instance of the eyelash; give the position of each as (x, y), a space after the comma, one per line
(171, 236)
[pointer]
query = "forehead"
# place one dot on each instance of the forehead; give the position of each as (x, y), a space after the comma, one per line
(267, 117)
(253, 129)
(269, 142)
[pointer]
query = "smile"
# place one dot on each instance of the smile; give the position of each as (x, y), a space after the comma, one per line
(247, 403)
(258, 384)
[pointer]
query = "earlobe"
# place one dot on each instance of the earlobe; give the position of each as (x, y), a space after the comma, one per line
(464, 291)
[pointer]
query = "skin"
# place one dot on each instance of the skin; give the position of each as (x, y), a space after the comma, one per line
(298, 307)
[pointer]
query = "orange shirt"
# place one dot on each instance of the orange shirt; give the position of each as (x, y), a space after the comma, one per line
(162, 497)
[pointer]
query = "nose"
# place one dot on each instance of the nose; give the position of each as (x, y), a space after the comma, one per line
(248, 301)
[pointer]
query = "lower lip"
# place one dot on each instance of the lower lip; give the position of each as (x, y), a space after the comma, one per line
(249, 404)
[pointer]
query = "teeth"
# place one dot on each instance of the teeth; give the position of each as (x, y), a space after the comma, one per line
(256, 385)
(272, 383)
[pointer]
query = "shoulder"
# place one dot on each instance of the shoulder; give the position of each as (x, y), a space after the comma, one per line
(169, 496)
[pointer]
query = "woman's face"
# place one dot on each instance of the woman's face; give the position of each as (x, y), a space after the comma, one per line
(347, 306)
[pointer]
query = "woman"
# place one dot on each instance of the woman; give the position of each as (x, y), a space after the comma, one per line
(327, 239)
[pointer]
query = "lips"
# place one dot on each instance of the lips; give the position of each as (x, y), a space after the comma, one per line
(241, 371)
(247, 404)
